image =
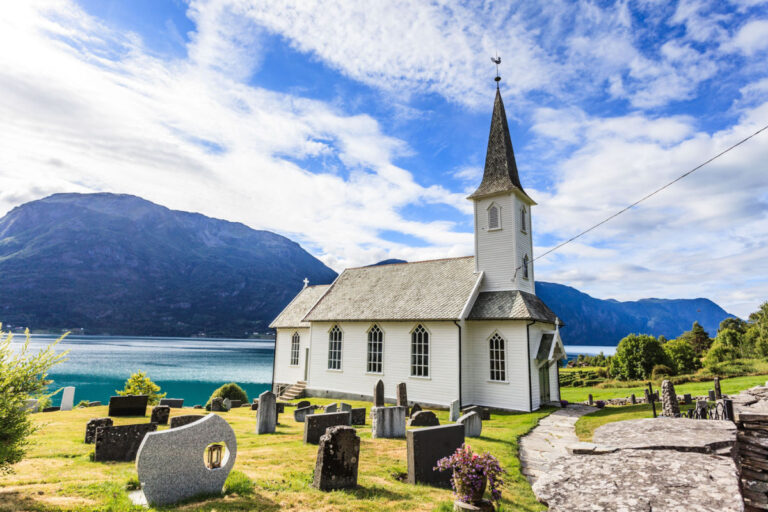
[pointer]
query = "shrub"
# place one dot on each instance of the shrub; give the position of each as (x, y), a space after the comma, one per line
(636, 356)
(661, 370)
(231, 391)
(722, 349)
(22, 375)
(139, 384)
(682, 356)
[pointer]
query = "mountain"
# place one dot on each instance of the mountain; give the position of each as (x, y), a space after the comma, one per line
(120, 264)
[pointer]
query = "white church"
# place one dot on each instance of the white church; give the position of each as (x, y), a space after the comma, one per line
(468, 328)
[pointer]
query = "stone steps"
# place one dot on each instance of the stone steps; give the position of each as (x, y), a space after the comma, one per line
(294, 391)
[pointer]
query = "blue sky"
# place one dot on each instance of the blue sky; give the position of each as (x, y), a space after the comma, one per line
(357, 128)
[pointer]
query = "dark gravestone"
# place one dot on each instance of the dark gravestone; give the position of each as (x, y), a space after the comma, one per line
(632, 399)
(416, 408)
(718, 393)
(315, 425)
(402, 396)
(160, 414)
(338, 454)
(280, 407)
(94, 404)
(90, 428)
(234, 404)
(217, 404)
(687, 399)
(198, 407)
(173, 403)
(711, 395)
(484, 412)
(255, 406)
(334, 407)
(358, 416)
(428, 445)
(299, 415)
(424, 419)
(130, 405)
(120, 443)
(303, 404)
(180, 421)
(51, 409)
(590, 401)
(378, 394)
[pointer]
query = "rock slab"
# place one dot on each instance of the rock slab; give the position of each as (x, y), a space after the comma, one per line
(473, 424)
(120, 443)
(338, 454)
(171, 464)
(388, 422)
(130, 405)
(315, 425)
(90, 428)
(428, 445)
(680, 434)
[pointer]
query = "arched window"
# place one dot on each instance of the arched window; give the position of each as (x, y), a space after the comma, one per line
(525, 267)
(498, 358)
(419, 352)
(334, 348)
(375, 350)
(295, 343)
(494, 222)
(523, 220)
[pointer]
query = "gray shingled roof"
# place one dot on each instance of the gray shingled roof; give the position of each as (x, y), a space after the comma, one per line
(294, 312)
(500, 173)
(545, 346)
(422, 290)
(510, 305)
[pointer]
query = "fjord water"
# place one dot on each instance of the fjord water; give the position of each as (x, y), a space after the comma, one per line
(188, 368)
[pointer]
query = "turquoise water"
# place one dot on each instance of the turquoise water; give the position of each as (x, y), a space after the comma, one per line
(188, 368)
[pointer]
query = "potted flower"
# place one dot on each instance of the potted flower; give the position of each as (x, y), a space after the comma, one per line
(472, 474)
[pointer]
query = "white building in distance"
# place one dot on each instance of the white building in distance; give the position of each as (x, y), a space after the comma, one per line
(467, 328)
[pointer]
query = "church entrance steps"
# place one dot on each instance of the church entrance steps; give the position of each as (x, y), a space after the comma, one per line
(294, 391)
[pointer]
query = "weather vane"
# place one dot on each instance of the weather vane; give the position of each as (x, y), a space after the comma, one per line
(497, 60)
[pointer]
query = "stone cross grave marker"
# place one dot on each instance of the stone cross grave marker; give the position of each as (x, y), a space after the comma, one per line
(315, 425)
(473, 424)
(338, 454)
(428, 445)
(266, 417)
(378, 394)
(67, 398)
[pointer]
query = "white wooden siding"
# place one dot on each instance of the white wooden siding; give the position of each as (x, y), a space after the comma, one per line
(440, 388)
(284, 372)
(523, 246)
(554, 385)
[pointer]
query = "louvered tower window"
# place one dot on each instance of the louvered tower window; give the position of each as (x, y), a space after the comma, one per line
(334, 348)
(523, 219)
(419, 352)
(295, 342)
(498, 358)
(525, 267)
(375, 350)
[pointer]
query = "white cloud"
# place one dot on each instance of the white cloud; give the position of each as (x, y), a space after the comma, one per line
(751, 38)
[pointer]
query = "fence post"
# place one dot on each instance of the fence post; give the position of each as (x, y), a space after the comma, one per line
(651, 398)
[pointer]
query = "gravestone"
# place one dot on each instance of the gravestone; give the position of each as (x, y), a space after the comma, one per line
(217, 404)
(402, 396)
(171, 464)
(357, 416)
(266, 418)
(280, 406)
(299, 415)
(31, 405)
(701, 407)
(315, 425)
(255, 406)
(51, 409)
(687, 399)
(428, 445)
(173, 403)
(338, 454)
(473, 424)
(129, 405)
(416, 408)
(718, 393)
(669, 405)
(345, 407)
(160, 414)
(120, 443)
(388, 422)
(590, 401)
(235, 404)
(632, 399)
(648, 396)
(198, 406)
(711, 395)
(94, 404)
(67, 398)
(484, 412)
(302, 404)
(334, 407)
(180, 421)
(455, 411)
(227, 404)
(424, 419)
(378, 394)
(90, 428)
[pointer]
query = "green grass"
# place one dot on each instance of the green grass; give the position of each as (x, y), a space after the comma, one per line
(272, 472)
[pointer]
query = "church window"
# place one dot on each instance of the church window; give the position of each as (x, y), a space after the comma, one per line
(295, 342)
(375, 350)
(498, 358)
(494, 220)
(525, 267)
(419, 352)
(334, 348)
(523, 220)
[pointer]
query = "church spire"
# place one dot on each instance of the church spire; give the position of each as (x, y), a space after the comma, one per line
(500, 173)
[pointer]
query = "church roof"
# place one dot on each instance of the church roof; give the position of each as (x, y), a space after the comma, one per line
(422, 290)
(510, 305)
(294, 312)
(500, 174)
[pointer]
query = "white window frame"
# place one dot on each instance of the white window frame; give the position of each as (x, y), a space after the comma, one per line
(498, 218)
(368, 351)
(523, 220)
(295, 348)
(335, 363)
(500, 358)
(526, 261)
(426, 368)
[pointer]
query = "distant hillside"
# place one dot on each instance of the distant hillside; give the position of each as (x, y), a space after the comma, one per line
(123, 265)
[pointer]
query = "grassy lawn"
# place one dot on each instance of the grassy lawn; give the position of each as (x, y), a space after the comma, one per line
(729, 386)
(274, 471)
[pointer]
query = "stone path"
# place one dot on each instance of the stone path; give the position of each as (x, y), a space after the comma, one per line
(548, 441)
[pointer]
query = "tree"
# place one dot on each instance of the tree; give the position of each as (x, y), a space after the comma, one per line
(636, 356)
(725, 348)
(139, 384)
(737, 324)
(231, 391)
(22, 376)
(698, 338)
(682, 356)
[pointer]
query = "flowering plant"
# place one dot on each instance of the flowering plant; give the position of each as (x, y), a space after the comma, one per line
(471, 473)
(563, 403)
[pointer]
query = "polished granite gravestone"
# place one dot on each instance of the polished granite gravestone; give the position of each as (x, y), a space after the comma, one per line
(358, 416)
(388, 422)
(428, 445)
(90, 428)
(173, 403)
(129, 405)
(160, 414)
(120, 443)
(171, 464)
(67, 398)
(315, 425)
(338, 455)
(473, 424)
(424, 419)
(180, 421)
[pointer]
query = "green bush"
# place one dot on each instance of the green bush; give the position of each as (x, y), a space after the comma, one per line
(636, 356)
(682, 356)
(724, 348)
(139, 384)
(231, 391)
(660, 371)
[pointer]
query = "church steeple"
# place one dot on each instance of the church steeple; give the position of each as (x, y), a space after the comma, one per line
(500, 174)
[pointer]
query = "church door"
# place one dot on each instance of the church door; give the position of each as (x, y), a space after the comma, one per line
(544, 384)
